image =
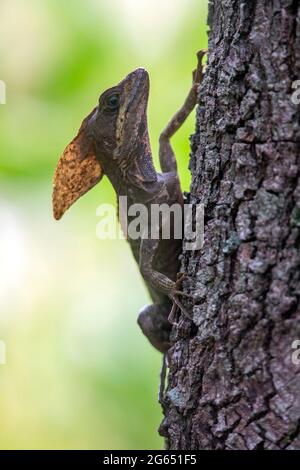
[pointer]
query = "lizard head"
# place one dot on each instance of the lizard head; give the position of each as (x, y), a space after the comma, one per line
(111, 140)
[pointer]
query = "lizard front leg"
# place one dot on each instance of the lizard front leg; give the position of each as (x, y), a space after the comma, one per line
(166, 155)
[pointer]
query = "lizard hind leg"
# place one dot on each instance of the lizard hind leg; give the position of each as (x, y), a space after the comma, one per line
(153, 321)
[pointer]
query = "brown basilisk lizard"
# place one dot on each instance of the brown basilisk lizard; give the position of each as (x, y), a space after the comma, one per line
(113, 141)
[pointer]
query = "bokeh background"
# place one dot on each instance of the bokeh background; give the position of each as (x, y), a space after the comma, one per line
(79, 373)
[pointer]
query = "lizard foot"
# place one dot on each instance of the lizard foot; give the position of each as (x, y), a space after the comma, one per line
(177, 285)
(199, 72)
(176, 302)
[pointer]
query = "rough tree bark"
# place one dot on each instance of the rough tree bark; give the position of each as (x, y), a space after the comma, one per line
(232, 383)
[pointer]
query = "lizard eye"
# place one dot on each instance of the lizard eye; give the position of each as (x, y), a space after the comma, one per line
(112, 102)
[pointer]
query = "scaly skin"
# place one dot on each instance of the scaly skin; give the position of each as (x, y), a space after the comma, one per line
(113, 140)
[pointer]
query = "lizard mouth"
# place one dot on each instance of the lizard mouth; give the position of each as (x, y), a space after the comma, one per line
(138, 83)
(131, 122)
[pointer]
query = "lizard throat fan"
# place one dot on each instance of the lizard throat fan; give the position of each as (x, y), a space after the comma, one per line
(77, 171)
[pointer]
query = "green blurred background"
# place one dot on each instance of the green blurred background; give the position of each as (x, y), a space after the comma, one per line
(79, 373)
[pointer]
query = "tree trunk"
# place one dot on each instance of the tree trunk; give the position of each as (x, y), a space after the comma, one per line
(232, 382)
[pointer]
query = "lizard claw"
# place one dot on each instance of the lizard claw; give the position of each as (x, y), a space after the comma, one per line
(172, 314)
(176, 302)
(177, 285)
(201, 54)
(198, 73)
